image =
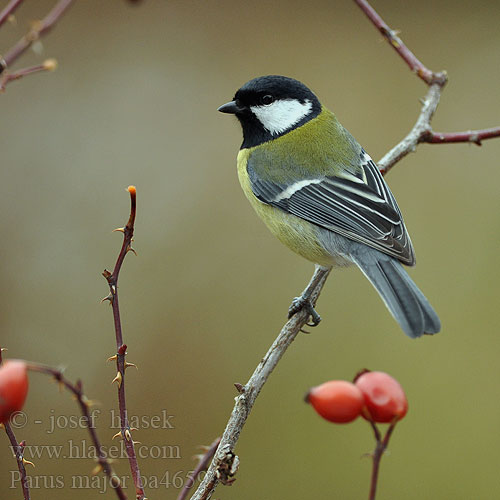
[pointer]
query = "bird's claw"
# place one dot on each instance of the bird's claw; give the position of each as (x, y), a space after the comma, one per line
(300, 303)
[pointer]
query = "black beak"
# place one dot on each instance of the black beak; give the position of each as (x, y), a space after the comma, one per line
(229, 107)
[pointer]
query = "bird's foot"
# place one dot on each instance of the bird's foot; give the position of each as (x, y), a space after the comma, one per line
(301, 303)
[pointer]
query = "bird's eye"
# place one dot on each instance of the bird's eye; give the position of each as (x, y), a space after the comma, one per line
(267, 100)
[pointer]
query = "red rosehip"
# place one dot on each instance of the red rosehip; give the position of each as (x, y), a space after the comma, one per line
(384, 397)
(336, 401)
(13, 388)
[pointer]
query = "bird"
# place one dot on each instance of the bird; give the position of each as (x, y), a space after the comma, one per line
(321, 194)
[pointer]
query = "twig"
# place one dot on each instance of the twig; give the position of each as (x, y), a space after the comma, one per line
(84, 404)
(48, 65)
(422, 130)
(475, 136)
(38, 29)
(224, 456)
(121, 348)
(19, 451)
(9, 10)
(202, 466)
(380, 448)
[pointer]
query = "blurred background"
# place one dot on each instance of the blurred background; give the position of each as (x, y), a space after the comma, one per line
(134, 102)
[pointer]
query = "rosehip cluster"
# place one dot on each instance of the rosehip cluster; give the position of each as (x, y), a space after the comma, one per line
(376, 396)
(13, 388)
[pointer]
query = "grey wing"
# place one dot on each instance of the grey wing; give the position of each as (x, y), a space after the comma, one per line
(358, 206)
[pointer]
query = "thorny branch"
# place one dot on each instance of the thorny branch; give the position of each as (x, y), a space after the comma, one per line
(19, 451)
(121, 348)
(421, 132)
(85, 404)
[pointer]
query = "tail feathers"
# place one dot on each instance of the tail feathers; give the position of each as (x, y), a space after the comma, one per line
(405, 301)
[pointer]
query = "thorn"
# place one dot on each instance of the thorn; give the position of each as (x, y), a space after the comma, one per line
(239, 387)
(127, 365)
(108, 297)
(134, 429)
(198, 458)
(27, 462)
(119, 230)
(118, 379)
(128, 436)
(136, 442)
(112, 358)
(130, 249)
(118, 434)
(2, 349)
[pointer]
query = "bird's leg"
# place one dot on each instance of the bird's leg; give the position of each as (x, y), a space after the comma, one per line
(306, 301)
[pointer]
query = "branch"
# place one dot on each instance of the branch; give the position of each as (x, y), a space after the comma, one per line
(84, 404)
(224, 464)
(19, 451)
(202, 466)
(121, 348)
(475, 136)
(38, 29)
(422, 130)
(9, 10)
(48, 65)
(428, 76)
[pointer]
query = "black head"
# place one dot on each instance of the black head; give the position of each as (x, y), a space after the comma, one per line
(270, 106)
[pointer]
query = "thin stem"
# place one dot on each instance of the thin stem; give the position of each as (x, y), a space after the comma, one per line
(474, 136)
(380, 447)
(202, 466)
(223, 463)
(18, 448)
(9, 10)
(121, 365)
(48, 65)
(38, 29)
(84, 403)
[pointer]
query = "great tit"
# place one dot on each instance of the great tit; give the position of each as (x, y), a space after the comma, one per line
(322, 195)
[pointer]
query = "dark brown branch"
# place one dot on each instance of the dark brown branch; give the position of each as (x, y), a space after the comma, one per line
(474, 136)
(18, 449)
(121, 348)
(38, 29)
(380, 447)
(9, 10)
(398, 45)
(84, 404)
(202, 466)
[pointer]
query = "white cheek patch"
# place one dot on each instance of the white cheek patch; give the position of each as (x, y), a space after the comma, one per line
(282, 114)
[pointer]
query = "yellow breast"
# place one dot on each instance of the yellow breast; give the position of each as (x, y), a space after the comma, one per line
(297, 234)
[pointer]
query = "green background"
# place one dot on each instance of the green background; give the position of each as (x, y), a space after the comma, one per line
(134, 102)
